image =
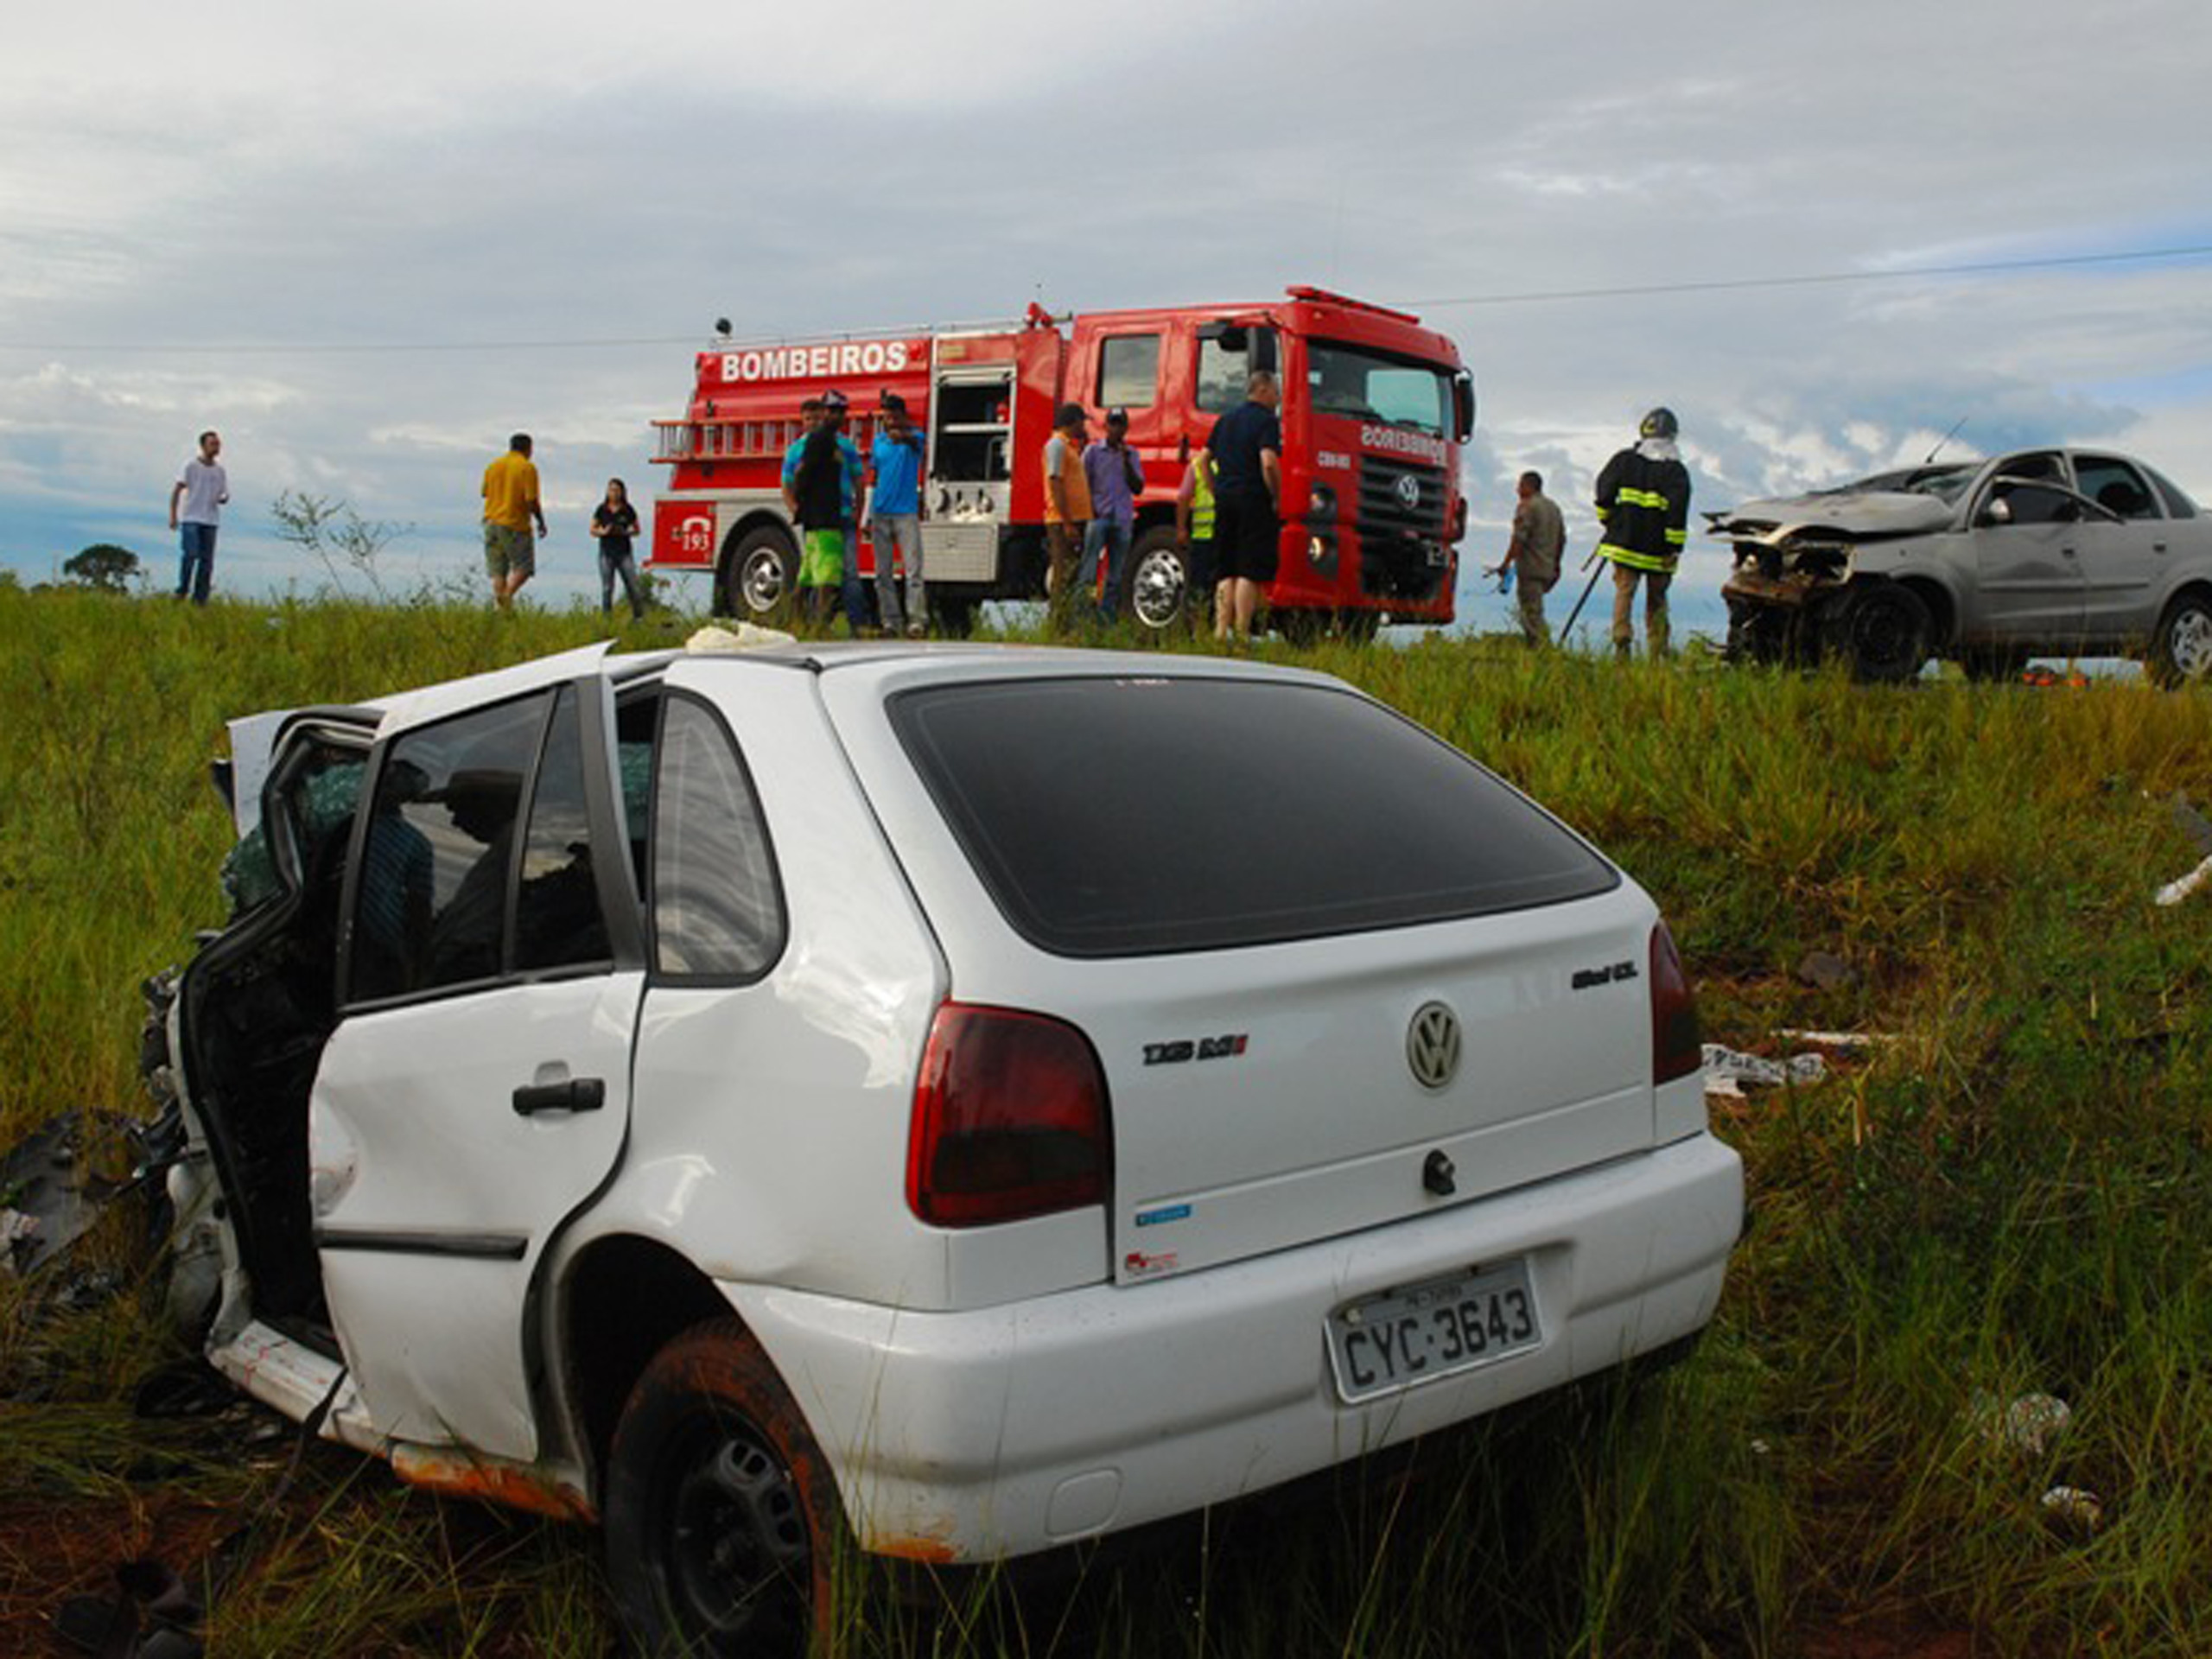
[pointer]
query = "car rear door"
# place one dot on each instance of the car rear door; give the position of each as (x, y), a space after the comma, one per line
(2122, 556)
(475, 1093)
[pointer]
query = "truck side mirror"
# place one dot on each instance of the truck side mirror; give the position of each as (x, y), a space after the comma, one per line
(1463, 404)
(1263, 350)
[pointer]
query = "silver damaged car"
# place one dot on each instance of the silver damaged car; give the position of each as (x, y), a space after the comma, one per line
(2074, 552)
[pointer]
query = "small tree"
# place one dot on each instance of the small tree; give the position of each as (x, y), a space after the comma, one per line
(105, 566)
(331, 530)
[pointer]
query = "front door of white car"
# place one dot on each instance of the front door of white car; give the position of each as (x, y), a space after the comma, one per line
(475, 1093)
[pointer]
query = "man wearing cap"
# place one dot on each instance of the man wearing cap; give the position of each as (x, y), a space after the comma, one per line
(1117, 478)
(1643, 502)
(893, 515)
(1067, 505)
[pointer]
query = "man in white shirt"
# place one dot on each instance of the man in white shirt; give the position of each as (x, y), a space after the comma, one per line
(202, 489)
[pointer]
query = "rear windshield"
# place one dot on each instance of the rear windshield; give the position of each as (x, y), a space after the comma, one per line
(1113, 818)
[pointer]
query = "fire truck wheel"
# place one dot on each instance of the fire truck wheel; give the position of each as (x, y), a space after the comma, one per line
(1155, 581)
(761, 576)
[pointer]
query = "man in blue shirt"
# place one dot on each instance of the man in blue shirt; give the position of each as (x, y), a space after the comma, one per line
(1244, 458)
(1117, 478)
(893, 516)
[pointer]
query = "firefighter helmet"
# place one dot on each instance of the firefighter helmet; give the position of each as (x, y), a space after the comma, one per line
(1659, 424)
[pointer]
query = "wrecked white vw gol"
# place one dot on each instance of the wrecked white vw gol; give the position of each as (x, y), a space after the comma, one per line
(957, 1101)
(2043, 551)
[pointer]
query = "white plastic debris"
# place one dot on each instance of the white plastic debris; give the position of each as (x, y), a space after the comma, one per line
(1726, 1070)
(2179, 888)
(714, 640)
(2075, 1510)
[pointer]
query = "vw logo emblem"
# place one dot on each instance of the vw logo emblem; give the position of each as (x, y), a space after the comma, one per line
(1433, 1045)
(1408, 491)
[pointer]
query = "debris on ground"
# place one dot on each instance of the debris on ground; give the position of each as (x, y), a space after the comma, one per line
(2198, 828)
(1727, 1069)
(2072, 1511)
(1825, 971)
(49, 1199)
(2029, 1425)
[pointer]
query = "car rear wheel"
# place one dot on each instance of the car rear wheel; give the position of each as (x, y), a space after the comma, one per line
(2181, 651)
(761, 577)
(1882, 631)
(721, 1514)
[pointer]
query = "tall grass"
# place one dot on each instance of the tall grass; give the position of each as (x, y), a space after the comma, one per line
(2012, 1193)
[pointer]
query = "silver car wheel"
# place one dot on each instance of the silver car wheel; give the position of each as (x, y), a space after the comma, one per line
(2189, 643)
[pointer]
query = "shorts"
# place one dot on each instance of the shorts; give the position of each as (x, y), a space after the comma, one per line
(509, 552)
(823, 564)
(1247, 537)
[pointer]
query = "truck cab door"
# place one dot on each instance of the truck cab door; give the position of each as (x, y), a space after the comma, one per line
(475, 1093)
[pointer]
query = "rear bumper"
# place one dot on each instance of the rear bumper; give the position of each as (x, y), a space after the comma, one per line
(968, 1436)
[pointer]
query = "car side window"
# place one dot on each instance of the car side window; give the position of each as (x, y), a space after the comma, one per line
(718, 911)
(2021, 486)
(437, 855)
(2115, 486)
(557, 919)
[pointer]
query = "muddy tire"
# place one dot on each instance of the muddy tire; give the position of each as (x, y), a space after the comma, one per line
(760, 579)
(723, 1520)
(1882, 631)
(1156, 582)
(2181, 651)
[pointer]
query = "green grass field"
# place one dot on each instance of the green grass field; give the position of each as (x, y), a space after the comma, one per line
(2011, 1193)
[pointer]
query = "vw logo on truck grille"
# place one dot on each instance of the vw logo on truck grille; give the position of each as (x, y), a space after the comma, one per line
(1408, 488)
(1433, 1045)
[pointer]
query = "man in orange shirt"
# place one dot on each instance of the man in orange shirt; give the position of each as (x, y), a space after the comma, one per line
(1067, 505)
(510, 503)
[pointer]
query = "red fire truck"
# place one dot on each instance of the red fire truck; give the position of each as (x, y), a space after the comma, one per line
(1375, 408)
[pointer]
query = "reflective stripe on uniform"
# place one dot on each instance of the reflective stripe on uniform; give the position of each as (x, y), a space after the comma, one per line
(1634, 561)
(1627, 496)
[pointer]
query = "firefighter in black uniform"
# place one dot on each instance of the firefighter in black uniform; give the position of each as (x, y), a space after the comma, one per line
(1643, 502)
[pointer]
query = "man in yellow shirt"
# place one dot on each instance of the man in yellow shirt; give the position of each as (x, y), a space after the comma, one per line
(510, 503)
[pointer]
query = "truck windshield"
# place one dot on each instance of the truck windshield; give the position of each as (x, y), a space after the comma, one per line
(1377, 386)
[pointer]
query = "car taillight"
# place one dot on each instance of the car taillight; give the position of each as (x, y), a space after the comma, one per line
(1009, 1120)
(1675, 1046)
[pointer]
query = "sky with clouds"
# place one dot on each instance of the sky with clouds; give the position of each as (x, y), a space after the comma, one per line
(368, 241)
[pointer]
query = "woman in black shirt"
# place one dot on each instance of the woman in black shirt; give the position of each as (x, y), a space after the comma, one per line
(614, 521)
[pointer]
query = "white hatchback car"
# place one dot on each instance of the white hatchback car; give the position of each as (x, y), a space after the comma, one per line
(958, 1101)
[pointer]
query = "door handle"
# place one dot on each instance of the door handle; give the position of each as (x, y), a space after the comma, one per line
(576, 1095)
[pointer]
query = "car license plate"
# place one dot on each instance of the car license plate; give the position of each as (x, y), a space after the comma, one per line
(1423, 1331)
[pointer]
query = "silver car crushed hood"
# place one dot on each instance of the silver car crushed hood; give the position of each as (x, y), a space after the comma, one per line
(1863, 515)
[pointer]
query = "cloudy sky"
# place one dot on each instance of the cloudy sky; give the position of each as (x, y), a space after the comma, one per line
(367, 242)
